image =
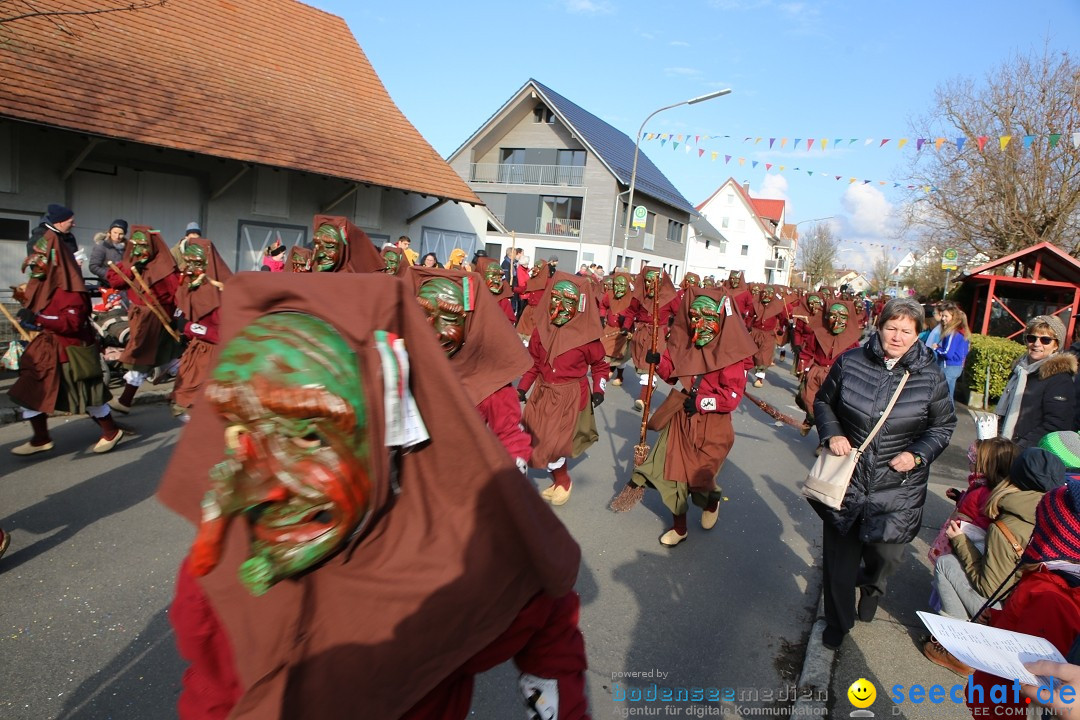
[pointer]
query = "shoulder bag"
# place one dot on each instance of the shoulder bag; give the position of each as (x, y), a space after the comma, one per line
(830, 475)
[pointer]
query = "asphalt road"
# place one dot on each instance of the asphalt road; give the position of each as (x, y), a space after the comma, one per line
(89, 575)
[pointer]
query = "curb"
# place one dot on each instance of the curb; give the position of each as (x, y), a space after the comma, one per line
(10, 413)
(817, 671)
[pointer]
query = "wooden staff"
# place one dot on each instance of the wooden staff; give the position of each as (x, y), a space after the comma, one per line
(148, 298)
(641, 450)
(22, 331)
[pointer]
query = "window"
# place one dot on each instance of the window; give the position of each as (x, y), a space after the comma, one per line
(542, 114)
(511, 165)
(559, 215)
(254, 237)
(442, 242)
(745, 250)
(674, 231)
(731, 198)
(570, 167)
(740, 224)
(725, 222)
(571, 158)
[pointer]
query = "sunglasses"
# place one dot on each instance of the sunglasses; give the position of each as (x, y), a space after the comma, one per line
(1039, 338)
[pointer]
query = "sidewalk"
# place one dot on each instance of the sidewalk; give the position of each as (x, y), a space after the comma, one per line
(9, 411)
(887, 651)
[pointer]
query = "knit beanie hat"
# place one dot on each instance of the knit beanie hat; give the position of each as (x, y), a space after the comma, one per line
(1056, 327)
(1057, 526)
(58, 213)
(122, 224)
(1065, 445)
(1036, 469)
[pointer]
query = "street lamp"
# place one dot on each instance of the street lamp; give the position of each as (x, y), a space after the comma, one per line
(633, 171)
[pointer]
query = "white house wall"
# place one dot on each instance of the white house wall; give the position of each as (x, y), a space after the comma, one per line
(741, 229)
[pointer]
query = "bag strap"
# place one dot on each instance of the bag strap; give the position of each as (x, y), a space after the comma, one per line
(885, 415)
(1016, 546)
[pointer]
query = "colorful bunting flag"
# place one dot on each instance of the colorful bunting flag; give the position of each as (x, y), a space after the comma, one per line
(824, 142)
(981, 140)
(771, 141)
(938, 143)
(1054, 137)
(960, 143)
(919, 143)
(1004, 140)
(901, 143)
(883, 142)
(700, 152)
(1028, 139)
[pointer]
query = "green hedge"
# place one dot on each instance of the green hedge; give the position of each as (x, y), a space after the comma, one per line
(995, 353)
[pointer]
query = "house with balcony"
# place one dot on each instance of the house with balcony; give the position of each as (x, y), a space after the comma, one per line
(756, 238)
(555, 180)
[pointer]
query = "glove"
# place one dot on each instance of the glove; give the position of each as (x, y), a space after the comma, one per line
(521, 395)
(653, 358)
(690, 404)
(597, 399)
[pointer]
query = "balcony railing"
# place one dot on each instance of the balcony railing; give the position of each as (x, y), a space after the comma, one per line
(561, 228)
(554, 175)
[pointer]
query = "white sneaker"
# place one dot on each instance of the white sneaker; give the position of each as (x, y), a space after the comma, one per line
(541, 697)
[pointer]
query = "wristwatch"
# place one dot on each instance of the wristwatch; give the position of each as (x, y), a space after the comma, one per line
(918, 459)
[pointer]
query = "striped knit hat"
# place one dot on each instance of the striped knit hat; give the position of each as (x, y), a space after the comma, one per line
(1057, 526)
(1066, 445)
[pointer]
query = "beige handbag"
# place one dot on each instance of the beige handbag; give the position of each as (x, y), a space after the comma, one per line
(830, 476)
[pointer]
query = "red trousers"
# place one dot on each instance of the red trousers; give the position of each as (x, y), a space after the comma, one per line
(543, 640)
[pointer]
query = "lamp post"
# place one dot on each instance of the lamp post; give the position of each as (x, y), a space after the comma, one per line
(633, 171)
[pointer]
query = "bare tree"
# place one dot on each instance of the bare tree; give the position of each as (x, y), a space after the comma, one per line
(882, 272)
(993, 200)
(817, 253)
(12, 11)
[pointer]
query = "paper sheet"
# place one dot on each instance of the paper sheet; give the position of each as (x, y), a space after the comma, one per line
(993, 650)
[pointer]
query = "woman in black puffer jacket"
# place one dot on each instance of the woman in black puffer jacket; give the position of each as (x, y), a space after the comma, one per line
(882, 510)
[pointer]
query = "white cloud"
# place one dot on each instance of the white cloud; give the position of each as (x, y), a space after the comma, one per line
(868, 212)
(773, 187)
(588, 7)
(682, 71)
(678, 43)
(868, 228)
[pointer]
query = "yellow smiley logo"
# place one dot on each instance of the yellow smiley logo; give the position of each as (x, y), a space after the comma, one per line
(862, 693)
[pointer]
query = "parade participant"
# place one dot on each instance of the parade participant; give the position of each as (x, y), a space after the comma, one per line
(744, 301)
(457, 260)
(609, 284)
(300, 259)
(483, 350)
(709, 281)
(708, 352)
(565, 348)
(60, 369)
(334, 555)
(531, 294)
(615, 338)
(827, 341)
(689, 280)
(495, 281)
(340, 246)
(149, 344)
(765, 320)
(394, 260)
(651, 283)
(199, 300)
(806, 316)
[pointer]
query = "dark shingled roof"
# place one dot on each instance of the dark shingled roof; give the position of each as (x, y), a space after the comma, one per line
(616, 150)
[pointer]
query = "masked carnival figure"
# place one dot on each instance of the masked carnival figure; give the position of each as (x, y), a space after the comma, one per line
(830, 337)
(616, 339)
(765, 322)
(531, 296)
(154, 279)
(740, 294)
(806, 315)
(708, 353)
(340, 246)
(565, 350)
(394, 260)
(482, 348)
(347, 514)
(495, 281)
(203, 277)
(60, 370)
(299, 259)
(652, 288)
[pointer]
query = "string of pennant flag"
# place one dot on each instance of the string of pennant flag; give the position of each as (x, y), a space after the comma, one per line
(808, 143)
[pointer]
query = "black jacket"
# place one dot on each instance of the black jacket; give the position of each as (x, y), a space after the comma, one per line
(1075, 350)
(855, 393)
(1049, 401)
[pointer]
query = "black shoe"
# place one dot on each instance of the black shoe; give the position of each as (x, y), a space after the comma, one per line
(832, 638)
(867, 605)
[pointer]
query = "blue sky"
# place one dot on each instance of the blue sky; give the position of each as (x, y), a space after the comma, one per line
(797, 70)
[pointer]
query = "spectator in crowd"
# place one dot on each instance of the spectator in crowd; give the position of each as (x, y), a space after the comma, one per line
(481, 253)
(882, 511)
(1039, 397)
(60, 220)
(109, 250)
(953, 345)
(405, 243)
(273, 259)
(932, 334)
(193, 230)
(430, 260)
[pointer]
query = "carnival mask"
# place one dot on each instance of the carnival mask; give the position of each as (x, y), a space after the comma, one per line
(194, 265)
(329, 248)
(704, 320)
(691, 280)
(444, 303)
(392, 260)
(620, 285)
(709, 281)
(652, 279)
(535, 271)
(36, 264)
(493, 276)
(838, 318)
(288, 389)
(766, 295)
(565, 302)
(814, 303)
(735, 278)
(609, 285)
(298, 263)
(140, 247)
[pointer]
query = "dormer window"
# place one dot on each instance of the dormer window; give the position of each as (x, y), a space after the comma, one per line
(542, 114)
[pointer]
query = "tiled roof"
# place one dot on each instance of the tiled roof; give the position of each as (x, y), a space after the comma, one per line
(273, 82)
(789, 232)
(616, 149)
(769, 209)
